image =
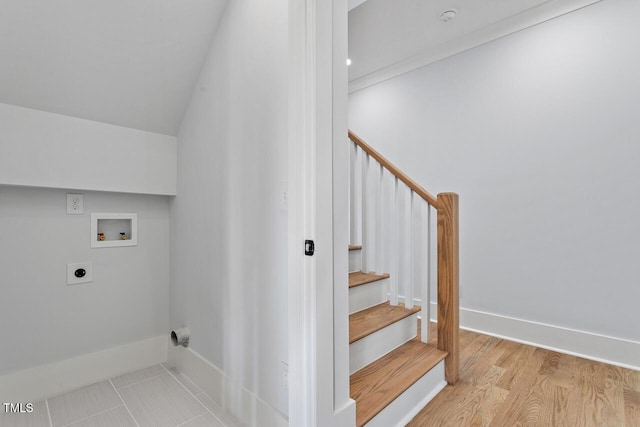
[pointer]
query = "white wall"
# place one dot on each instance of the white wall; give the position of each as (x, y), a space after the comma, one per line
(51, 150)
(43, 319)
(538, 132)
(229, 252)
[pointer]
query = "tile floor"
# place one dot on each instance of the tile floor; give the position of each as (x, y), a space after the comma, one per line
(153, 397)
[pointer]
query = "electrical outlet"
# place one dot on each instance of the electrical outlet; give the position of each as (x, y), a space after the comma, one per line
(81, 272)
(75, 204)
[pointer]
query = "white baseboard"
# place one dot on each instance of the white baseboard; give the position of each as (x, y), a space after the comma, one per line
(345, 416)
(597, 347)
(425, 400)
(239, 403)
(41, 382)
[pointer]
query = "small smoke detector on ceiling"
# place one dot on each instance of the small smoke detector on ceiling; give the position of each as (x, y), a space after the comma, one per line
(448, 15)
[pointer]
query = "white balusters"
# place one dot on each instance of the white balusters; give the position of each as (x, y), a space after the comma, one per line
(384, 243)
(403, 248)
(379, 235)
(433, 254)
(395, 228)
(425, 274)
(394, 241)
(373, 218)
(409, 281)
(354, 195)
(366, 229)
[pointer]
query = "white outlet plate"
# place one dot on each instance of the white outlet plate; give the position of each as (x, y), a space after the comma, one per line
(71, 270)
(75, 204)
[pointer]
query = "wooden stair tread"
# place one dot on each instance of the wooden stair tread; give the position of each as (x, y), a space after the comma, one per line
(355, 247)
(372, 319)
(378, 384)
(358, 278)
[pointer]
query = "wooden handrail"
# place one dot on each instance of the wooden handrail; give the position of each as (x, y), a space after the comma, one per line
(394, 170)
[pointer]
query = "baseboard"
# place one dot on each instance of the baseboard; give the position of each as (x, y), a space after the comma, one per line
(420, 406)
(41, 382)
(597, 347)
(239, 403)
(345, 416)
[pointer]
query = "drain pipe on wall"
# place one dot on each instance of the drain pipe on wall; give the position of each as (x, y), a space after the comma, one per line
(180, 337)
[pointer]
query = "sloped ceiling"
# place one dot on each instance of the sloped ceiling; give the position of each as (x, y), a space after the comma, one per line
(125, 62)
(134, 63)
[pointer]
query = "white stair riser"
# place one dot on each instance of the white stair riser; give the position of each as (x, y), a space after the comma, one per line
(355, 261)
(365, 296)
(406, 406)
(376, 345)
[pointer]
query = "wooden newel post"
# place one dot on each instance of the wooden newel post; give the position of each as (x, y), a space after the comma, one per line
(448, 284)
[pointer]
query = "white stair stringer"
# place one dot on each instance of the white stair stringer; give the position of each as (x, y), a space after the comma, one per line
(381, 342)
(368, 295)
(406, 406)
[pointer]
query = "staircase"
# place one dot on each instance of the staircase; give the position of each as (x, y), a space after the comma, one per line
(395, 370)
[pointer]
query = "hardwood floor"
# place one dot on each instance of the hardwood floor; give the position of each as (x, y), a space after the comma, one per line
(504, 384)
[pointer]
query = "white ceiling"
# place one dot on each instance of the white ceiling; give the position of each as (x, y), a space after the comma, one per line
(126, 62)
(386, 33)
(133, 63)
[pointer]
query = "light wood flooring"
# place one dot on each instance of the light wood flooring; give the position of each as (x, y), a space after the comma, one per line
(505, 384)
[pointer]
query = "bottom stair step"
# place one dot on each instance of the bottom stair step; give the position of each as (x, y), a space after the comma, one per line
(378, 384)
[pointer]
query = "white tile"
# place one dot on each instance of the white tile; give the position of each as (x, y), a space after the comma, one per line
(115, 417)
(38, 418)
(83, 403)
(160, 402)
(185, 381)
(228, 419)
(206, 420)
(137, 376)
